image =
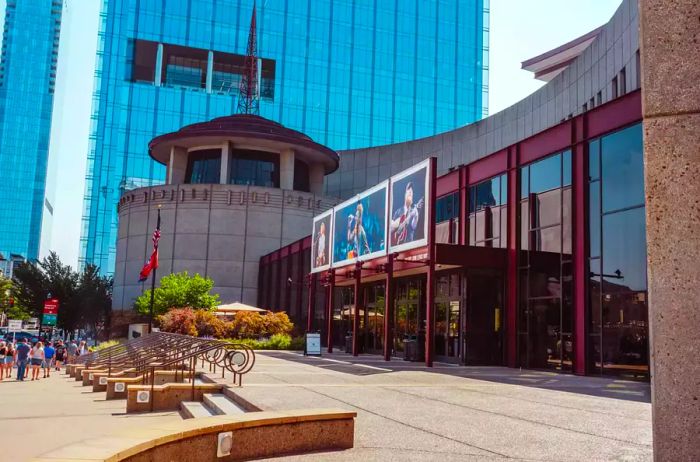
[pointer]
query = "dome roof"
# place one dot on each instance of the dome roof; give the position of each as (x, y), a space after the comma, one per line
(246, 130)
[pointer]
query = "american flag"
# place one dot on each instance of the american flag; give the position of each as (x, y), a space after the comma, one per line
(152, 262)
(156, 237)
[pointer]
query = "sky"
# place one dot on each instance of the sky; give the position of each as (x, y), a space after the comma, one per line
(519, 29)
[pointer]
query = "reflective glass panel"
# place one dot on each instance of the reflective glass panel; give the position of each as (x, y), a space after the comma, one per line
(622, 169)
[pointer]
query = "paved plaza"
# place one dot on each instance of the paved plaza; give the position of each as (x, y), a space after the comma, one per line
(44, 415)
(451, 413)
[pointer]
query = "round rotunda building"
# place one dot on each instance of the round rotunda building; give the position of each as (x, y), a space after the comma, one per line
(237, 188)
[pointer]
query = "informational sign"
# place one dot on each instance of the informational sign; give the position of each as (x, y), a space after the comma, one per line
(313, 344)
(49, 319)
(408, 226)
(359, 226)
(51, 306)
(321, 242)
(14, 325)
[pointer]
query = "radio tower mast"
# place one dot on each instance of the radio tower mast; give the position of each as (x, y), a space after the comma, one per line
(249, 90)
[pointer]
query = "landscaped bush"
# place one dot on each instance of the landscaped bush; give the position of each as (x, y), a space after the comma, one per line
(276, 342)
(179, 321)
(107, 344)
(209, 325)
(247, 324)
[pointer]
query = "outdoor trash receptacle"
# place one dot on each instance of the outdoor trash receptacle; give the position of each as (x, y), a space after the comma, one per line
(410, 348)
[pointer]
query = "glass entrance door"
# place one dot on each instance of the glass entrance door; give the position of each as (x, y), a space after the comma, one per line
(483, 320)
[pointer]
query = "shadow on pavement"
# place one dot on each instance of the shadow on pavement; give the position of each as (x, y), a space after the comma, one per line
(365, 365)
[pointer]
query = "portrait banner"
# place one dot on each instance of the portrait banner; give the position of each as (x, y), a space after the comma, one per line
(408, 226)
(321, 242)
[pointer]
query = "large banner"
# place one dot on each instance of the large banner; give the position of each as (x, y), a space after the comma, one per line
(321, 242)
(359, 226)
(408, 227)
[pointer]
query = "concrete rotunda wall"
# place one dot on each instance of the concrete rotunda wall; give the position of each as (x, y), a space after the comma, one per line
(216, 230)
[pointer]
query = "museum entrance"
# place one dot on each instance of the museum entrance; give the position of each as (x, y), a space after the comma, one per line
(482, 325)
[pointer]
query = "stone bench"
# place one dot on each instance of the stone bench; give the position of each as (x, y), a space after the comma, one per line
(248, 436)
(98, 384)
(166, 397)
(162, 377)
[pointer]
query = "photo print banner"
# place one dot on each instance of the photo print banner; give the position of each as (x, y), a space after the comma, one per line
(359, 226)
(408, 227)
(321, 242)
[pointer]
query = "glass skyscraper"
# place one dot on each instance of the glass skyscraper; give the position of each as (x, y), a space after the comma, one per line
(348, 73)
(27, 79)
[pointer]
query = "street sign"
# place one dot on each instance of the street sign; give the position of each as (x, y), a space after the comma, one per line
(51, 306)
(14, 325)
(49, 319)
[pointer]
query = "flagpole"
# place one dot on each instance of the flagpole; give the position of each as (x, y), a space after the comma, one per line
(153, 284)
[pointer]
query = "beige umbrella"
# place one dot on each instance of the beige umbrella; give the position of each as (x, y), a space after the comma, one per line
(233, 308)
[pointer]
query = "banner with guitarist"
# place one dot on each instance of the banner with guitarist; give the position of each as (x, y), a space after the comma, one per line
(408, 227)
(359, 226)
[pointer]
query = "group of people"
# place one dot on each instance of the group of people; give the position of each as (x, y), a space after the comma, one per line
(39, 357)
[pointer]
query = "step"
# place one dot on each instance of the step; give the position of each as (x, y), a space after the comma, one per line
(220, 404)
(194, 409)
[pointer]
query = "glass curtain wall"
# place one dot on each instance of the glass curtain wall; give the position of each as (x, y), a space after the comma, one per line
(409, 314)
(488, 224)
(619, 326)
(447, 309)
(545, 286)
(372, 319)
(343, 311)
(447, 219)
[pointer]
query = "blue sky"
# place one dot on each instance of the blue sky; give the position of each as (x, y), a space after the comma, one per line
(520, 29)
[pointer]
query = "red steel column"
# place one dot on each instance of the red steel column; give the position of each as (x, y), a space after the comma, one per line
(512, 264)
(358, 309)
(463, 206)
(311, 302)
(389, 308)
(329, 310)
(580, 261)
(430, 283)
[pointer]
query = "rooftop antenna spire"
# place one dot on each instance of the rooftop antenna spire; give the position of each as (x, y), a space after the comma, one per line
(249, 89)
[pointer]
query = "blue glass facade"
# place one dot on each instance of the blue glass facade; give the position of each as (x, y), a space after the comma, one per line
(27, 80)
(349, 73)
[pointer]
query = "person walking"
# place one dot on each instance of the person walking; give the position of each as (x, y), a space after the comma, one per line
(49, 355)
(21, 357)
(60, 355)
(6, 368)
(72, 351)
(3, 355)
(37, 358)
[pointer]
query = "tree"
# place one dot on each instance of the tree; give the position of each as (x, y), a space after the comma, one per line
(179, 290)
(85, 299)
(7, 305)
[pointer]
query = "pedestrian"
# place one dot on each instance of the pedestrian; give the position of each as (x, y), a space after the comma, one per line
(60, 355)
(6, 369)
(3, 355)
(82, 349)
(37, 358)
(21, 357)
(72, 351)
(49, 356)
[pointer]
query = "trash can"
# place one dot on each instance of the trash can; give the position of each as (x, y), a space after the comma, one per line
(348, 342)
(410, 348)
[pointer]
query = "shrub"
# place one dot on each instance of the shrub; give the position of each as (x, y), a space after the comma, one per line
(179, 321)
(178, 290)
(208, 324)
(107, 344)
(248, 324)
(276, 342)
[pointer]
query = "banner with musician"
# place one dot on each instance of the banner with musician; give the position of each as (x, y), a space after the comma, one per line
(321, 242)
(359, 226)
(408, 227)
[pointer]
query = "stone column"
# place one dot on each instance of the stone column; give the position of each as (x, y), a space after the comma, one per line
(225, 160)
(287, 169)
(316, 175)
(177, 166)
(670, 58)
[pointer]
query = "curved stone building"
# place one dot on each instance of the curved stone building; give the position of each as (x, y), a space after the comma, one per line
(237, 188)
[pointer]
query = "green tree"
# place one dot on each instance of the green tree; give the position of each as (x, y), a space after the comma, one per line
(29, 288)
(7, 301)
(94, 299)
(179, 290)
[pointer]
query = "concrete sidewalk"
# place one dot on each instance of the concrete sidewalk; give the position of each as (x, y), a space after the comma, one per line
(409, 412)
(36, 417)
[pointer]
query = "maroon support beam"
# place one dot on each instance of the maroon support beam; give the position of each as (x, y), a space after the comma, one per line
(430, 283)
(389, 308)
(329, 309)
(311, 303)
(512, 265)
(580, 269)
(358, 309)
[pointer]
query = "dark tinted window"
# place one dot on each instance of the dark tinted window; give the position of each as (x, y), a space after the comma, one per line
(203, 166)
(256, 168)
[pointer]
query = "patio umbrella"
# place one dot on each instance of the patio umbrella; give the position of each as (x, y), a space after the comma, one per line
(233, 308)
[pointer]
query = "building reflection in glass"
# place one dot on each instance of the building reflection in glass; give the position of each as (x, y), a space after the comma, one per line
(545, 282)
(618, 330)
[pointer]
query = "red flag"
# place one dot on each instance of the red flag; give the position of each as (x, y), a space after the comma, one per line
(152, 262)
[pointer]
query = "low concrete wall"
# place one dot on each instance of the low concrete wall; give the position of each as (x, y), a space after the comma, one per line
(253, 435)
(162, 377)
(167, 397)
